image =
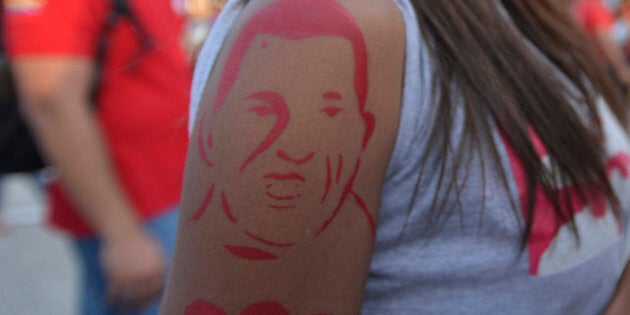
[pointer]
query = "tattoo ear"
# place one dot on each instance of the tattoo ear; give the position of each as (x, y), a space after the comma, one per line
(370, 123)
(204, 141)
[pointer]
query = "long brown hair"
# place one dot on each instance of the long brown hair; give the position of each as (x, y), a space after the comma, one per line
(481, 48)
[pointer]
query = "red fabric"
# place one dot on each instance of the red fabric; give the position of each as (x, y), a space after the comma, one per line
(593, 16)
(143, 97)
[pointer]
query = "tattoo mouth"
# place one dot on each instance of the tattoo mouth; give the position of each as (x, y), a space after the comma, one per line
(283, 190)
(286, 176)
(283, 197)
(282, 201)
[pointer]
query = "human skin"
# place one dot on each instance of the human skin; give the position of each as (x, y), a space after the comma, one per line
(58, 110)
(291, 118)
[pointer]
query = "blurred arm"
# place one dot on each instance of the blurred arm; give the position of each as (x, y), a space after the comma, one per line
(280, 197)
(55, 97)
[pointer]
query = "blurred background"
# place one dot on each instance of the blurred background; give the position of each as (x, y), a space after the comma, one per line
(38, 272)
(39, 269)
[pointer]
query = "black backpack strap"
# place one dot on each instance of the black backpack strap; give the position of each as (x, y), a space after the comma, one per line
(119, 9)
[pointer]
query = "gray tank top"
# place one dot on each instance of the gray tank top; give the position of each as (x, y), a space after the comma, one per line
(473, 263)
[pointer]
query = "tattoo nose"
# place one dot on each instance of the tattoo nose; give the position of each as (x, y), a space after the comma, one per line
(296, 160)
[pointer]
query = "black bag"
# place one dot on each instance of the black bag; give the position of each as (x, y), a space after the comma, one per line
(18, 150)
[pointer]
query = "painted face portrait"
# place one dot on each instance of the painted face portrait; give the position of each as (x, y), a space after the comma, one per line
(287, 171)
(285, 161)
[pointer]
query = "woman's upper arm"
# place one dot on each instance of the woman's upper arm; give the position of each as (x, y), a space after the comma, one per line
(291, 144)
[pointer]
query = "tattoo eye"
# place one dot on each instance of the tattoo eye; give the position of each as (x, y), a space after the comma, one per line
(261, 110)
(331, 111)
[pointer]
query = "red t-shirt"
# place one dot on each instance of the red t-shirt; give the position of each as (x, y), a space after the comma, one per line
(593, 16)
(143, 96)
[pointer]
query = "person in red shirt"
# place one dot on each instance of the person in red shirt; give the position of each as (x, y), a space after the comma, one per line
(596, 20)
(119, 162)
